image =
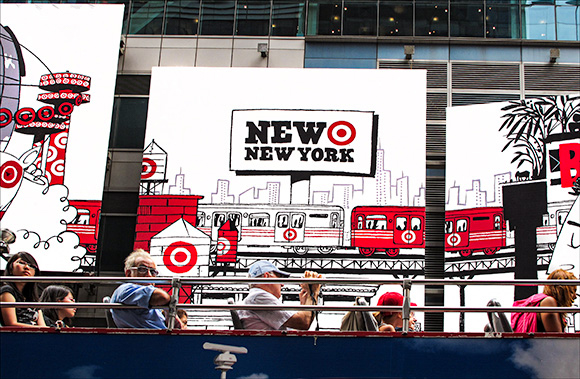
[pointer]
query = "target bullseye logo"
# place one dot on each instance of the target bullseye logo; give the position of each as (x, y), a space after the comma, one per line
(223, 245)
(5, 117)
(454, 239)
(408, 236)
(148, 169)
(10, 174)
(341, 133)
(180, 257)
(290, 234)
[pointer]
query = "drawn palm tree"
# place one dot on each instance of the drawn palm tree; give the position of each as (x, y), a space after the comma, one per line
(529, 122)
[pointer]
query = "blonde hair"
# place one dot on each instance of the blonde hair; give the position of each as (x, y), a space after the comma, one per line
(137, 253)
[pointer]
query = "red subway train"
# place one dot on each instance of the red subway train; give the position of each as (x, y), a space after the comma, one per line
(86, 223)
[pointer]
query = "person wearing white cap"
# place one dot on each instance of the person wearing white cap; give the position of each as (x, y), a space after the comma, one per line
(270, 294)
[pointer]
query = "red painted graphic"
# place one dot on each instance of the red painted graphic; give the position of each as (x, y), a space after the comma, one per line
(180, 257)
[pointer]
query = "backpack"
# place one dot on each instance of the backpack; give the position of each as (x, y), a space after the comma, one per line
(527, 322)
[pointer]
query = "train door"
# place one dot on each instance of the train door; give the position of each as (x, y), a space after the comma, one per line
(289, 227)
(408, 229)
(457, 232)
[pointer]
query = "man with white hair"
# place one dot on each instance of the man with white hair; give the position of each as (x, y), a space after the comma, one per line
(270, 294)
(140, 265)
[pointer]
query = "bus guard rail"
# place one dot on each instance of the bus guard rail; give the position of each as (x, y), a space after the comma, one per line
(177, 282)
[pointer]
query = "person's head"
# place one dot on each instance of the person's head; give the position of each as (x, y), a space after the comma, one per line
(24, 264)
(58, 294)
(564, 295)
(182, 316)
(140, 264)
(265, 269)
(390, 317)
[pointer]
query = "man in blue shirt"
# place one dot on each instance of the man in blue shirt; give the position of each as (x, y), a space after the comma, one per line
(146, 295)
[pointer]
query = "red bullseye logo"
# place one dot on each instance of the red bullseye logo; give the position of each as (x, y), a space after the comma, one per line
(25, 116)
(341, 133)
(5, 117)
(290, 234)
(223, 246)
(180, 257)
(148, 169)
(408, 236)
(10, 174)
(453, 239)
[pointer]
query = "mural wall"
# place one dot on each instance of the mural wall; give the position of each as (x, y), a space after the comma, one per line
(512, 197)
(57, 75)
(310, 169)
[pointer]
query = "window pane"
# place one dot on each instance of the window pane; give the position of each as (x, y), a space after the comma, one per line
(129, 120)
(395, 18)
(538, 21)
(253, 18)
(146, 17)
(182, 17)
(217, 18)
(466, 18)
(568, 17)
(502, 21)
(324, 18)
(288, 18)
(360, 18)
(431, 18)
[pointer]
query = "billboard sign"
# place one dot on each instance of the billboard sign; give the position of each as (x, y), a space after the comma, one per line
(321, 141)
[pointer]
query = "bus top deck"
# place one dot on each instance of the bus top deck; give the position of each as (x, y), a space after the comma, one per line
(75, 352)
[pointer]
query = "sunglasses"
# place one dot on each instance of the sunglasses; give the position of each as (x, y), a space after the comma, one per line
(143, 270)
(26, 264)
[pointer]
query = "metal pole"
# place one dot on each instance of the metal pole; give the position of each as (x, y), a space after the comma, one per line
(406, 304)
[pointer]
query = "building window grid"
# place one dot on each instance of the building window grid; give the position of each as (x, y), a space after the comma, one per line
(306, 3)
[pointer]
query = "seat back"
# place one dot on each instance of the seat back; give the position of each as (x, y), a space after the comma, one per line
(498, 322)
(109, 314)
(235, 317)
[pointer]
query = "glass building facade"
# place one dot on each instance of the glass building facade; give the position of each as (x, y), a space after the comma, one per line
(555, 20)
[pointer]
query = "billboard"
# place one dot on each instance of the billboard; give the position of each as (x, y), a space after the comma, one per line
(57, 78)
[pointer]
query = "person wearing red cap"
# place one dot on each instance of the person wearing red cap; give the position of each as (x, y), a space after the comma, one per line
(393, 321)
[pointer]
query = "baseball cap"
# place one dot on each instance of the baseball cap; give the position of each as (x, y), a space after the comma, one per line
(390, 299)
(261, 267)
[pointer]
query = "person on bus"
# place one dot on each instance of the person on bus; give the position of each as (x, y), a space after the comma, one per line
(140, 265)
(59, 317)
(393, 321)
(20, 264)
(270, 294)
(552, 296)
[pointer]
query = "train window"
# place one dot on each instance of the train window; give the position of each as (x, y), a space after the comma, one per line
(235, 218)
(83, 217)
(259, 219)
(461, 225)
(545, 220)
(282, 220)
(480, 218)
(561, 217)
(359, 222)
(334, 220)
(497, 222)
(377, 222)
(200, 219)
(318, 215)
(401, 223)
(298, 220)
(416, 223)
(219, 219)
(448, 227)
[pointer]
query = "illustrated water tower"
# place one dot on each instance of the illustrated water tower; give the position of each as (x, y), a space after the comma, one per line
(153, 170)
